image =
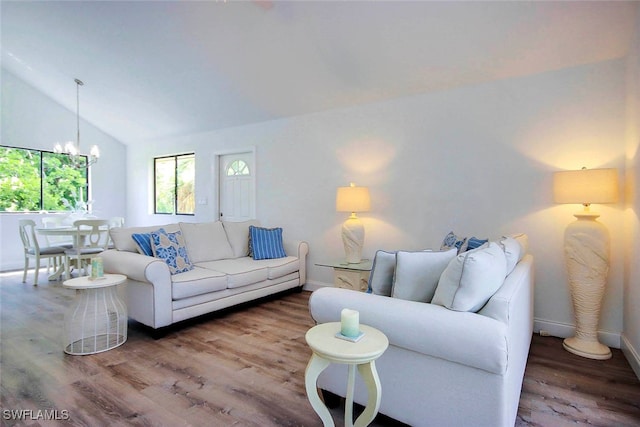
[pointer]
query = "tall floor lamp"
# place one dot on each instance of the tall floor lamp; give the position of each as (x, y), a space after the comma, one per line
(586, 247)
(353, 199)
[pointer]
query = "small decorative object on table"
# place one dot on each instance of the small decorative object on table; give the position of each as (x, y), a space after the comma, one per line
(97, 271)
(350, 326)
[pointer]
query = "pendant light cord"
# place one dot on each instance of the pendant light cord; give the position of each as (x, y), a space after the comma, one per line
(78, 84)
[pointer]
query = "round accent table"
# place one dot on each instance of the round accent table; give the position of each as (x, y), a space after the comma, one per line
(97, 320)
(329, 349)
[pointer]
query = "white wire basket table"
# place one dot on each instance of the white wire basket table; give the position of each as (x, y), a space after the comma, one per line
(97, 320)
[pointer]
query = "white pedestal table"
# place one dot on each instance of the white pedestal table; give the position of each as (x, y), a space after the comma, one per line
(97, 320)
(328, 349)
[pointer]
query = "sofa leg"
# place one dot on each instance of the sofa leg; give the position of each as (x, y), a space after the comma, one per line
(160, 333)
(331, 400)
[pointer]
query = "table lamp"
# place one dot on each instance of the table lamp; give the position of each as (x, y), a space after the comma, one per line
(353, 199)
(586, 248)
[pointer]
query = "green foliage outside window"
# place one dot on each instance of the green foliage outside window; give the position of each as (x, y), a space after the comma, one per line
(33, 180)
(175, 184)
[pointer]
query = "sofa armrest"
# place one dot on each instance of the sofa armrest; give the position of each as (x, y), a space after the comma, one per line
(148, 291)
(300, 249)
(136, 266)
(466, 338)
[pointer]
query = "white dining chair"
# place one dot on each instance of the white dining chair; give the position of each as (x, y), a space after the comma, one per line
(64, 241)
(32, 248)
(92, 238)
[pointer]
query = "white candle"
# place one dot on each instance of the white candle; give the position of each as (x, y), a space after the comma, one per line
(350, 323)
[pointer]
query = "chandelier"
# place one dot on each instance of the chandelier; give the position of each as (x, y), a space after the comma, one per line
(73, 150)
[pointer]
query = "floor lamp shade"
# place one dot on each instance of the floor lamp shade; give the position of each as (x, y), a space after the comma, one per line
(586, 247)
(353, 199)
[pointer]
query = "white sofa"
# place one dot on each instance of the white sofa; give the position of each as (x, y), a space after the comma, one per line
(442, 367)
(223, 275)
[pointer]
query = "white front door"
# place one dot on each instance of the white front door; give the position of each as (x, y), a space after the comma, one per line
(237, 186)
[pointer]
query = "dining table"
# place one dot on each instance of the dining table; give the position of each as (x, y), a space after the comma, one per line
(65, 230)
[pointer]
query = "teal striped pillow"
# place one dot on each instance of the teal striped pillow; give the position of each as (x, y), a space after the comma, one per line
(266, 243)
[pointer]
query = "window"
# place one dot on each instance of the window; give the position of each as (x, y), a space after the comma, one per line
(35, 180)
(174, 179)
(238, 167)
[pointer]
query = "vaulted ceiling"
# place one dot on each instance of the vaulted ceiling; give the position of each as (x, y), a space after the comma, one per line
(167, 68)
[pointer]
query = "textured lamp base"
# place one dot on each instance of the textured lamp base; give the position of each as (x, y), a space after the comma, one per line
(588, 349)
(353, 239)
(587, 254)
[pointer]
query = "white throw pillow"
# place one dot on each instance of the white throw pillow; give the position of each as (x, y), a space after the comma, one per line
(472, 278)
(417, 273)
(513, 252)
(238, 235)
(206, 241)
(382, 271)
(523, 239)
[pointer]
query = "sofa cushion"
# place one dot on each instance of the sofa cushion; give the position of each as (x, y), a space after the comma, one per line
(238, 235)
(197, 281)
(280, 267)
(122, 240)
(417, 273)
(241, 271)
(266, 243)
(171, 248)
(471, 278)
(206, 241)
(382, 271)
(143, 242)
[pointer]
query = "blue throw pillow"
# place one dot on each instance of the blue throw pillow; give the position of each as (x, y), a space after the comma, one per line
(474, 243)
(451, 241)
(171, 248)
(266, 243)
(143, 242)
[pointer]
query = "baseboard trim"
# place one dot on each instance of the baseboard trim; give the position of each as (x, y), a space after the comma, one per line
(564, 330)
(632, 355)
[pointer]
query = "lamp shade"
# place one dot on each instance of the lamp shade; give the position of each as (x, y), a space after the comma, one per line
(586, 186)
(352, 199)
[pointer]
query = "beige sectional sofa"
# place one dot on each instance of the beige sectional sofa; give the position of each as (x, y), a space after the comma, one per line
(222, 274)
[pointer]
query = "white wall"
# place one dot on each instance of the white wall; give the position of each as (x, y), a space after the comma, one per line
(631, 335)
(32, 120)
(477, 160)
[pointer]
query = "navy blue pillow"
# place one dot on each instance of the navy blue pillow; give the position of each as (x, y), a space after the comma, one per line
(474, 243)
(266, 243)
(143, 241)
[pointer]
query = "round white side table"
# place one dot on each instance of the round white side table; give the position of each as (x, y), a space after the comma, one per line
(362, 354)
(97, 320)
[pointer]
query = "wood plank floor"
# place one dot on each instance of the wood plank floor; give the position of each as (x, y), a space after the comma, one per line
(242, 367)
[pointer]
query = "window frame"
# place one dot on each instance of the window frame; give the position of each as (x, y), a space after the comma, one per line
(41, 172)
(175, 158)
